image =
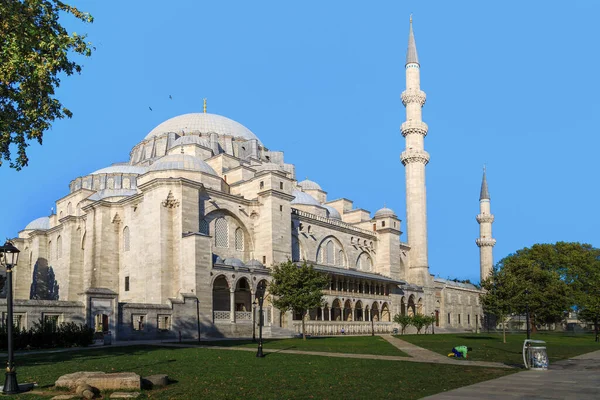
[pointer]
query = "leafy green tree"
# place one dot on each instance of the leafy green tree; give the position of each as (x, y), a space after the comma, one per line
(419, 321)
(35, 50)
(429, 320)
(403, 321)
(297, 288)
(500, 290)
(583, 277)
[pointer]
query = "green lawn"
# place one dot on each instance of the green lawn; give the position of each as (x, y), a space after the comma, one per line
(344, 344)
(225, 374)
(489, 347)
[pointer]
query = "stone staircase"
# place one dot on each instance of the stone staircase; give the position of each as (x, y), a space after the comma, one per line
(277, 332)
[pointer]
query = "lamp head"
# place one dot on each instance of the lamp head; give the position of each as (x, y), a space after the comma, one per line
(9, 254)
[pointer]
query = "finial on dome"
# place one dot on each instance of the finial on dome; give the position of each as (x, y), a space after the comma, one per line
(205, 105)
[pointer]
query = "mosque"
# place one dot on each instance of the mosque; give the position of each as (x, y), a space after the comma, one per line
(177, 240)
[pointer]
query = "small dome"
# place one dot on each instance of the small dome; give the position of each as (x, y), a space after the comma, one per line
(217, 259)
(255, 264)
(182, 162)
(191, 139)
(332, 212)
(233, 262)
(121, 168)
(385, 212)
(41, 224)
(106, 193)
(304, 198)
(309, 185)
(204, 123)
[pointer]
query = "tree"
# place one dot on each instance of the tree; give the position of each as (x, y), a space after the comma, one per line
(297, 288)
(35, 49)
(500, 290)
(419, 321)
(583, 276)
(403, 321)
(428, 320)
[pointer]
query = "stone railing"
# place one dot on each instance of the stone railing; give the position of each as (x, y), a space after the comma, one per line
(243, 316)
(330, 221)
(221, 315)
(318, 328)
(339, 293)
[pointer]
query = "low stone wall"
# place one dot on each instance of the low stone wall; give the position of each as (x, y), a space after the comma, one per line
(32, 311)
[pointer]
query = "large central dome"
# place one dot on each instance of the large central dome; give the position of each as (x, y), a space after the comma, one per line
(203, 123)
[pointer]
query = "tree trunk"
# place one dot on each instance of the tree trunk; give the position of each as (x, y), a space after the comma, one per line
(596, 329)
(504, 330)
(303, 326)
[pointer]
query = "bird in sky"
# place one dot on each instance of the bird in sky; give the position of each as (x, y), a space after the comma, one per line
(150, 108)
(170, 97)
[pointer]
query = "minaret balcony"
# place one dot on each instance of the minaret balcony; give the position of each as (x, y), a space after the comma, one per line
(413, 96)
(481, 242)
(485, 218)
(414, 128)
(414, 156)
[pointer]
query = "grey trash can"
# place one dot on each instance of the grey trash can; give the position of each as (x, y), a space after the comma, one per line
(535, 356)
(107, 338)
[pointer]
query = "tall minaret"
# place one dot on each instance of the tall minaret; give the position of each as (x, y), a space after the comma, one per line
(485, 241)
(415, 158)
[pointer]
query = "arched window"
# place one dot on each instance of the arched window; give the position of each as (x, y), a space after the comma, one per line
(49, 250)
(329, 253)
(221, 233)
(364, 262)
(59, 247)
(341, 260)
(69, 209)
(204, 227)
(239, 239)
(126, 239)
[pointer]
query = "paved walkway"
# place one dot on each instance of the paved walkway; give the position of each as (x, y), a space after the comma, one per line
(577, 378)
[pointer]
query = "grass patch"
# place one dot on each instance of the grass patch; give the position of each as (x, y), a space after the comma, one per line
(345, 344)
(489, 347)
(223, 374)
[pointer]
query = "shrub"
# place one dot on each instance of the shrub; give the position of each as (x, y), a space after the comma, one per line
(45, 335)
(403, 321)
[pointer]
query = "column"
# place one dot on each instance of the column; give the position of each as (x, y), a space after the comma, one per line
(232, 306)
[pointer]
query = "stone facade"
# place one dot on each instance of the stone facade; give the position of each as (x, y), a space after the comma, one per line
(178, 239)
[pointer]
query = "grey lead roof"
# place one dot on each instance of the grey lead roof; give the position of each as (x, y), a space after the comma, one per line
(411, 53)
(485, 194)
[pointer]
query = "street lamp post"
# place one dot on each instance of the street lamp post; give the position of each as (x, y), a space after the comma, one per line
(527, 313)
(254, 321)
(9, 255)
(260, 293)
(372, 323)
(433, 323)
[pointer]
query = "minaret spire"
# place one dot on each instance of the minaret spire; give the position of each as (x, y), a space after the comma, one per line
(415, 158)
(411, 53)
(485, 242)
(484, 194)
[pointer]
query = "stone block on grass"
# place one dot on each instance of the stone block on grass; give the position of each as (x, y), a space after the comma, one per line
(101, 380)
(124, 395)
(155, 381)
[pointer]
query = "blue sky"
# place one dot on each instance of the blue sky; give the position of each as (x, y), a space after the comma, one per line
(512, 84)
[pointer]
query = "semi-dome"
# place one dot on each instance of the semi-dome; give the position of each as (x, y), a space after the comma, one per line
(41, 224)
(184, 162)
(233, 262)
(191, 139)
(385, 212)
(304, 198)
(332, 212)
(255, 264)
(204, 123)
(122, 169)
(309, 185)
